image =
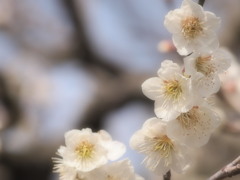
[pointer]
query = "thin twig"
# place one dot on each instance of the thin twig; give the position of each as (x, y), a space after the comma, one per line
(232, 169)
(167, 176)
(201, 2)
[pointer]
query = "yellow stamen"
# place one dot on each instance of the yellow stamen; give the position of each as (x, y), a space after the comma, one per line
(164, 145)
(172, 89)
(84, 150)
(189, 119)
(191, 27)
(204, 66)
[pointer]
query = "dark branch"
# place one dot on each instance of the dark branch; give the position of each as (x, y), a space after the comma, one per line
(167, 176)
(9, 101)
(111, 95)
(84, 50)
(232, 169)
(201, 2)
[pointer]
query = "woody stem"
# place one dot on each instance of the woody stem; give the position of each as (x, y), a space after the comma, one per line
(167, 176)
(201, 2)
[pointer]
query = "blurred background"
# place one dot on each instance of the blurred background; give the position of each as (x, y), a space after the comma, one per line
(70, 64)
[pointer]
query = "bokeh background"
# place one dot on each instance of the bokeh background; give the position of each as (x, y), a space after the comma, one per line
(69, 64)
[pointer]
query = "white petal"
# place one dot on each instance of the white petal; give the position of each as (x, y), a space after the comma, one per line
(168, 67)
(166, 113)
(222, 59)
(105, 135)
(136, 140)
(183, 47)
(189, 64)
(152, 88)
(121, 170)
(74, 136)
(212, 20)
(115, 150)
(207, 42)
(139, 177)
(160, 169)
(197, 134)
(195, 9)
(173, 21)
(154, 127)
(209, 85)
(181, 160)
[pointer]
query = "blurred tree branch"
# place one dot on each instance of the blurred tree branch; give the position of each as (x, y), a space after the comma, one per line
(112, 94)
(116, 87)
(201, 2)
(84, 50)
(167, 176)
(232, 169)
(9, 101)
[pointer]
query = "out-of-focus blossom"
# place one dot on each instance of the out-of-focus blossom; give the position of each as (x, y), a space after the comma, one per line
(231, 84)
(166, 46)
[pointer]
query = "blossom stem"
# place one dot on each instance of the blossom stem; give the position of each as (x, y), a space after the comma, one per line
(201, 2)
(229, 170)
(167, 176)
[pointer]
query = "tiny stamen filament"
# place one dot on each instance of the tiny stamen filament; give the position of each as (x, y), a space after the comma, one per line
(164, 145)
(84, 150)
(189, 119)
(172, 89)
(191, 27)
(204, 65)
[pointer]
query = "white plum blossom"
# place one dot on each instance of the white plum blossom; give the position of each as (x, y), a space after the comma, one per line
(194, 127)
(162, 153)
(204, 69)
(85, 150)
(193, 28)
(171, 91)
(121, 170)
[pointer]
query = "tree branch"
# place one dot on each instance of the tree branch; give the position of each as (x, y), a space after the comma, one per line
(167, 176)
(110, 96)
(201, 2)
(84, 50)
(232, 169)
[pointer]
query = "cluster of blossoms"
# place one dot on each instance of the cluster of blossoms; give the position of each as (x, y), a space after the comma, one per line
(185, 119)
(86, 155)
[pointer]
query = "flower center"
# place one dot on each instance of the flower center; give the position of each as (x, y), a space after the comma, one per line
(84, 150)
(191, 27)
(204, 65)
(172, 89)
(164, 145)
(189, 119)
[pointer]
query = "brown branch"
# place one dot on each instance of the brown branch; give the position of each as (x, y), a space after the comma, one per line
(232, 169)
(9, 101)
(201, 2)
(167, 176)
